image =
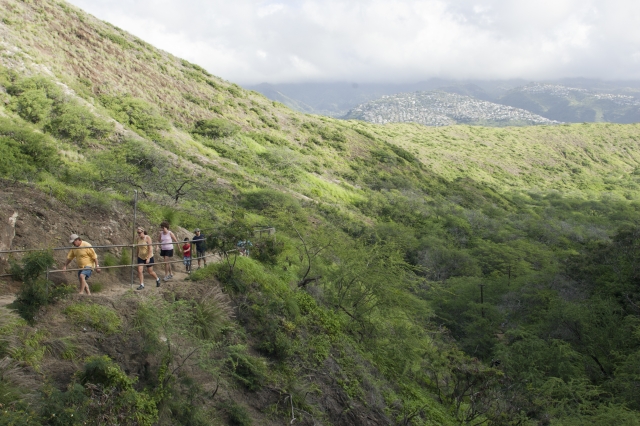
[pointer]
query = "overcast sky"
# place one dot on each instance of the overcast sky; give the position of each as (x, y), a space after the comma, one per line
(288, 41)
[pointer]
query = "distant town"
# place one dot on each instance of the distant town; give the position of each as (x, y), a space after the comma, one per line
(442, 109)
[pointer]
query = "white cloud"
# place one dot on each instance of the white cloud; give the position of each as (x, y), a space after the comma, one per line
(251, 41)
(269, 9)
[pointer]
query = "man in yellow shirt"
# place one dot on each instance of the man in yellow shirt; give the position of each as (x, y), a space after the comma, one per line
(85, 258)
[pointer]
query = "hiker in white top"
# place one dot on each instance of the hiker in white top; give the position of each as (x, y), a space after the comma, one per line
(167, 239)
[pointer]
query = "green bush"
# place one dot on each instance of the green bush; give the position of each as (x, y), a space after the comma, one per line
(65, 408)
(265, 199)
(134, 112)
(209, 314)
(110, 260)
(267, 251)
(125, 257)
(73, 122)
(36, 291)
(24, 152)
(104, 392)
(215, 128)
(95, 287)
(51, 90)
(248, 370)
(237, 414)
(33, 105)
(99, 317)
(101, 370)
(235, 90)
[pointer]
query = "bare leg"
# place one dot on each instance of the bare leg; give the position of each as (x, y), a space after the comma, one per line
(141, 274)
(150, 271)
(83, 284)
(167, 266)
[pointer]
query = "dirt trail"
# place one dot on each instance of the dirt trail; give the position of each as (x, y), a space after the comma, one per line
(116, 289)
(121, 288)
(6, 299)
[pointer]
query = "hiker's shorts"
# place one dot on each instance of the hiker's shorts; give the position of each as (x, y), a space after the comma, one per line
(86, 272)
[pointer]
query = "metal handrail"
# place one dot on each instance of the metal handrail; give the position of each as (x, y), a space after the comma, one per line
(129, 266)
(103, 246)
(50, 271)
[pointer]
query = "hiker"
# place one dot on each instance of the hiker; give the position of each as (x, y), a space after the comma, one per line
(85, 257)
(201, 246)
(145, 257)
(166, 238)
(243, 247)
(186, 255)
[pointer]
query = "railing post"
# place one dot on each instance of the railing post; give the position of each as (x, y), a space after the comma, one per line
(47, 281)
(135, 219)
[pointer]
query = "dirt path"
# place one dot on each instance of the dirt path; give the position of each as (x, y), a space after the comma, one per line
(118, 289)
(115, 289)
(7, 299)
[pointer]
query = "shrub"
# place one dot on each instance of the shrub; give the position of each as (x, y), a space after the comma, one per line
(215, 128)
(63, 408)
(110, 260)
(235, 90)
(95, 287)
(248, 370)
(237, 413)
(50, 89)
(104, 392)
(24, 152)
(101, 370)
(125, 257)
(33, 105)
(99, 317)
(72, 121)
(265, 199)
(36, 291)
(267, 251)
(210, 313)
(63, 348)
(134, 112)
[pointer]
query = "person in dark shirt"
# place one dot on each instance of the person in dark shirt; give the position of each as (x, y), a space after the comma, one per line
(201, 246)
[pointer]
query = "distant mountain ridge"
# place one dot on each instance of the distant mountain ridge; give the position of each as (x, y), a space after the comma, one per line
(568, 100)
(572, 104)
(436, 108)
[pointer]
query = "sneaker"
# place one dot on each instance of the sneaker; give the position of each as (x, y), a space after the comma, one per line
(170, 276)
(141, 287)
(158, 282)
(167, 278)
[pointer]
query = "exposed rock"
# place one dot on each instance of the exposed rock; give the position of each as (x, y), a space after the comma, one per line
(7, 233)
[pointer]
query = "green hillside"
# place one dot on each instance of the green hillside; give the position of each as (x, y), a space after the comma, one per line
(365, 308)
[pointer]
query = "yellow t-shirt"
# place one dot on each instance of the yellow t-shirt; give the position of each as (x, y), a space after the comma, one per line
(145, 251)
(84, 256)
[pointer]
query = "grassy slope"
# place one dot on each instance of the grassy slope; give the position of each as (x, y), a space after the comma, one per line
(354, 172)
(94, 58)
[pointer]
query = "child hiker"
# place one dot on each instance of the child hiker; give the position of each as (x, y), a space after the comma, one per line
(186, 255)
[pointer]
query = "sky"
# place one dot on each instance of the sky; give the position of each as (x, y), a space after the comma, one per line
(388, 41)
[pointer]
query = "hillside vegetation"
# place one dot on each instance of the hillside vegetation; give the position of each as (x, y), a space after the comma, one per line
(419, 276)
